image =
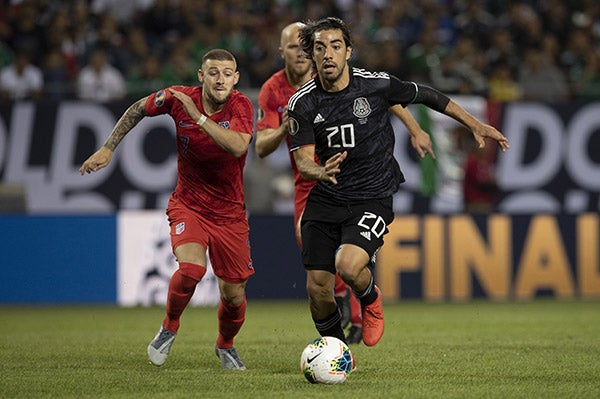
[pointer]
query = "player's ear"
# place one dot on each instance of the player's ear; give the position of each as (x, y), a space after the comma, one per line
(200, 76)
(236, 77)
(348, 52)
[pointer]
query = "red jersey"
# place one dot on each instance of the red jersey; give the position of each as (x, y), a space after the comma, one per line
(209, 179)
(272, 100)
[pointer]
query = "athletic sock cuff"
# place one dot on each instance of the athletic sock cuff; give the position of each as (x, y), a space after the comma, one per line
(192, 270)
(330, 321)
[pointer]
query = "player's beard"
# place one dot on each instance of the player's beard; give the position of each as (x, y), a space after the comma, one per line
(301, 69)
(216, 101)
(332, 78)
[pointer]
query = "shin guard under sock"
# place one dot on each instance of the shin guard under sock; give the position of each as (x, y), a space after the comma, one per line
(181, 288)
(369, 295)
(331, 326)
(231, 319)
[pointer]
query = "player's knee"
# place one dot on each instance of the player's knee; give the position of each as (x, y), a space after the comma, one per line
(348, 272)
(233, 294)
(191, 270)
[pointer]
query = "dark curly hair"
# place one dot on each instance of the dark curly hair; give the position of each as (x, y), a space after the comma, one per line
(307, 33)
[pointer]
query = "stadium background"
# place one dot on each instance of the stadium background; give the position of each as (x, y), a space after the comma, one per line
(102, 238)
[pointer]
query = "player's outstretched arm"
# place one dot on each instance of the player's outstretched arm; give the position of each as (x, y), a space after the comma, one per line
(310, 170)
(231, 141)
(419, 139)
(128, 120)
(268, 140)
(480, 130)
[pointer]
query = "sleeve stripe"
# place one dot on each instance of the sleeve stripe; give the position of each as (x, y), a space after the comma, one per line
(292, 149)
(307, 88)
(416, 92)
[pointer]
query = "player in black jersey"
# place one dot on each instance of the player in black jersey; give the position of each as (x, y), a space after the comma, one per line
(341, 115)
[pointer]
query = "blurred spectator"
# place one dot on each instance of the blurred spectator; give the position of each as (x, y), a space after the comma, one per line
(25, 31)
(100, 81)
(502, 85)
(462, 70)
(163, 24)
(21, 80)
(422, 40)
(502, 50)
(391, 58)
(146, 78)
(541, 80)
(519, 19)
(57, 82)
(427, 53)
(576, 55)
(588, 85)
(265, 59)
(180, 67)
(136, 50)
(123, 10)
(407, 21)
(110, 37)
(556, 19)
(83, 30)
(59, 41)
(476, 22)
(550, 48)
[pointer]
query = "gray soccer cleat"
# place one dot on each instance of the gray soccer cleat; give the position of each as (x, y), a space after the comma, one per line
(343, 303)
(354, 335)
(159, 348)
(230, 359)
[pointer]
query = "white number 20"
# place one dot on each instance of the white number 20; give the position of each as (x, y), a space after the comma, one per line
(346, 133)
(372, 222)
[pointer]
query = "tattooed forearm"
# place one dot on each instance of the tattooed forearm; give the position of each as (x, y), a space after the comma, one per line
(130, 118)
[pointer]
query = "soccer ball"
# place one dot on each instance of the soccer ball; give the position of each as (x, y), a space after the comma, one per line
(326, 360)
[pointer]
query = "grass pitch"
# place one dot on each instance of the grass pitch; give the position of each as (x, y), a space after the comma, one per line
(540, 349)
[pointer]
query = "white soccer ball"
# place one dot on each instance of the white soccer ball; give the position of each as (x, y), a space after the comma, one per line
(326, 360)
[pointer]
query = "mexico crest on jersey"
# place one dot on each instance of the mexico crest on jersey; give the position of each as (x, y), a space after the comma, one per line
(361, 108)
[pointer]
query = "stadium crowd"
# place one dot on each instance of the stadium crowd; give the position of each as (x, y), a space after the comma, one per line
(544, 50)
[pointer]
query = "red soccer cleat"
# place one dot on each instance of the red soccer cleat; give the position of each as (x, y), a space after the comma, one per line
(373, 321)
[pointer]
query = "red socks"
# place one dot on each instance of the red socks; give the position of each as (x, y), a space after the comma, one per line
(181, 288)
(355, 312)
(231, 319)
(340, 287)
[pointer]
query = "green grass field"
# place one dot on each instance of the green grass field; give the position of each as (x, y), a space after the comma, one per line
(541, 349)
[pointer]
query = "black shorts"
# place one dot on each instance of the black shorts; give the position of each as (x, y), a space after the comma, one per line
(361, 223)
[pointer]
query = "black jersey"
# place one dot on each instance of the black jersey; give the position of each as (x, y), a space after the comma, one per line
(355, 119)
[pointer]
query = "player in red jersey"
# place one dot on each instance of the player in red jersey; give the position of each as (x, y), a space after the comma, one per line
(206, 211)
(271, 127)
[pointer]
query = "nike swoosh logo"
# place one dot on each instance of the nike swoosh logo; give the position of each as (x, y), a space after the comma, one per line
(183, 124)
(310, 359)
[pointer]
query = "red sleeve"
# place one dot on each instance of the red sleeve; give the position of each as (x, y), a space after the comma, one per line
(159, 103)
(268, 113)
(243, 120)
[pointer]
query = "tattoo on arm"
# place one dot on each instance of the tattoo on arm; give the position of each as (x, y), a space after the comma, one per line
(135, 113)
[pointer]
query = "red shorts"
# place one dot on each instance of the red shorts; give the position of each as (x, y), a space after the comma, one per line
(228, 244)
